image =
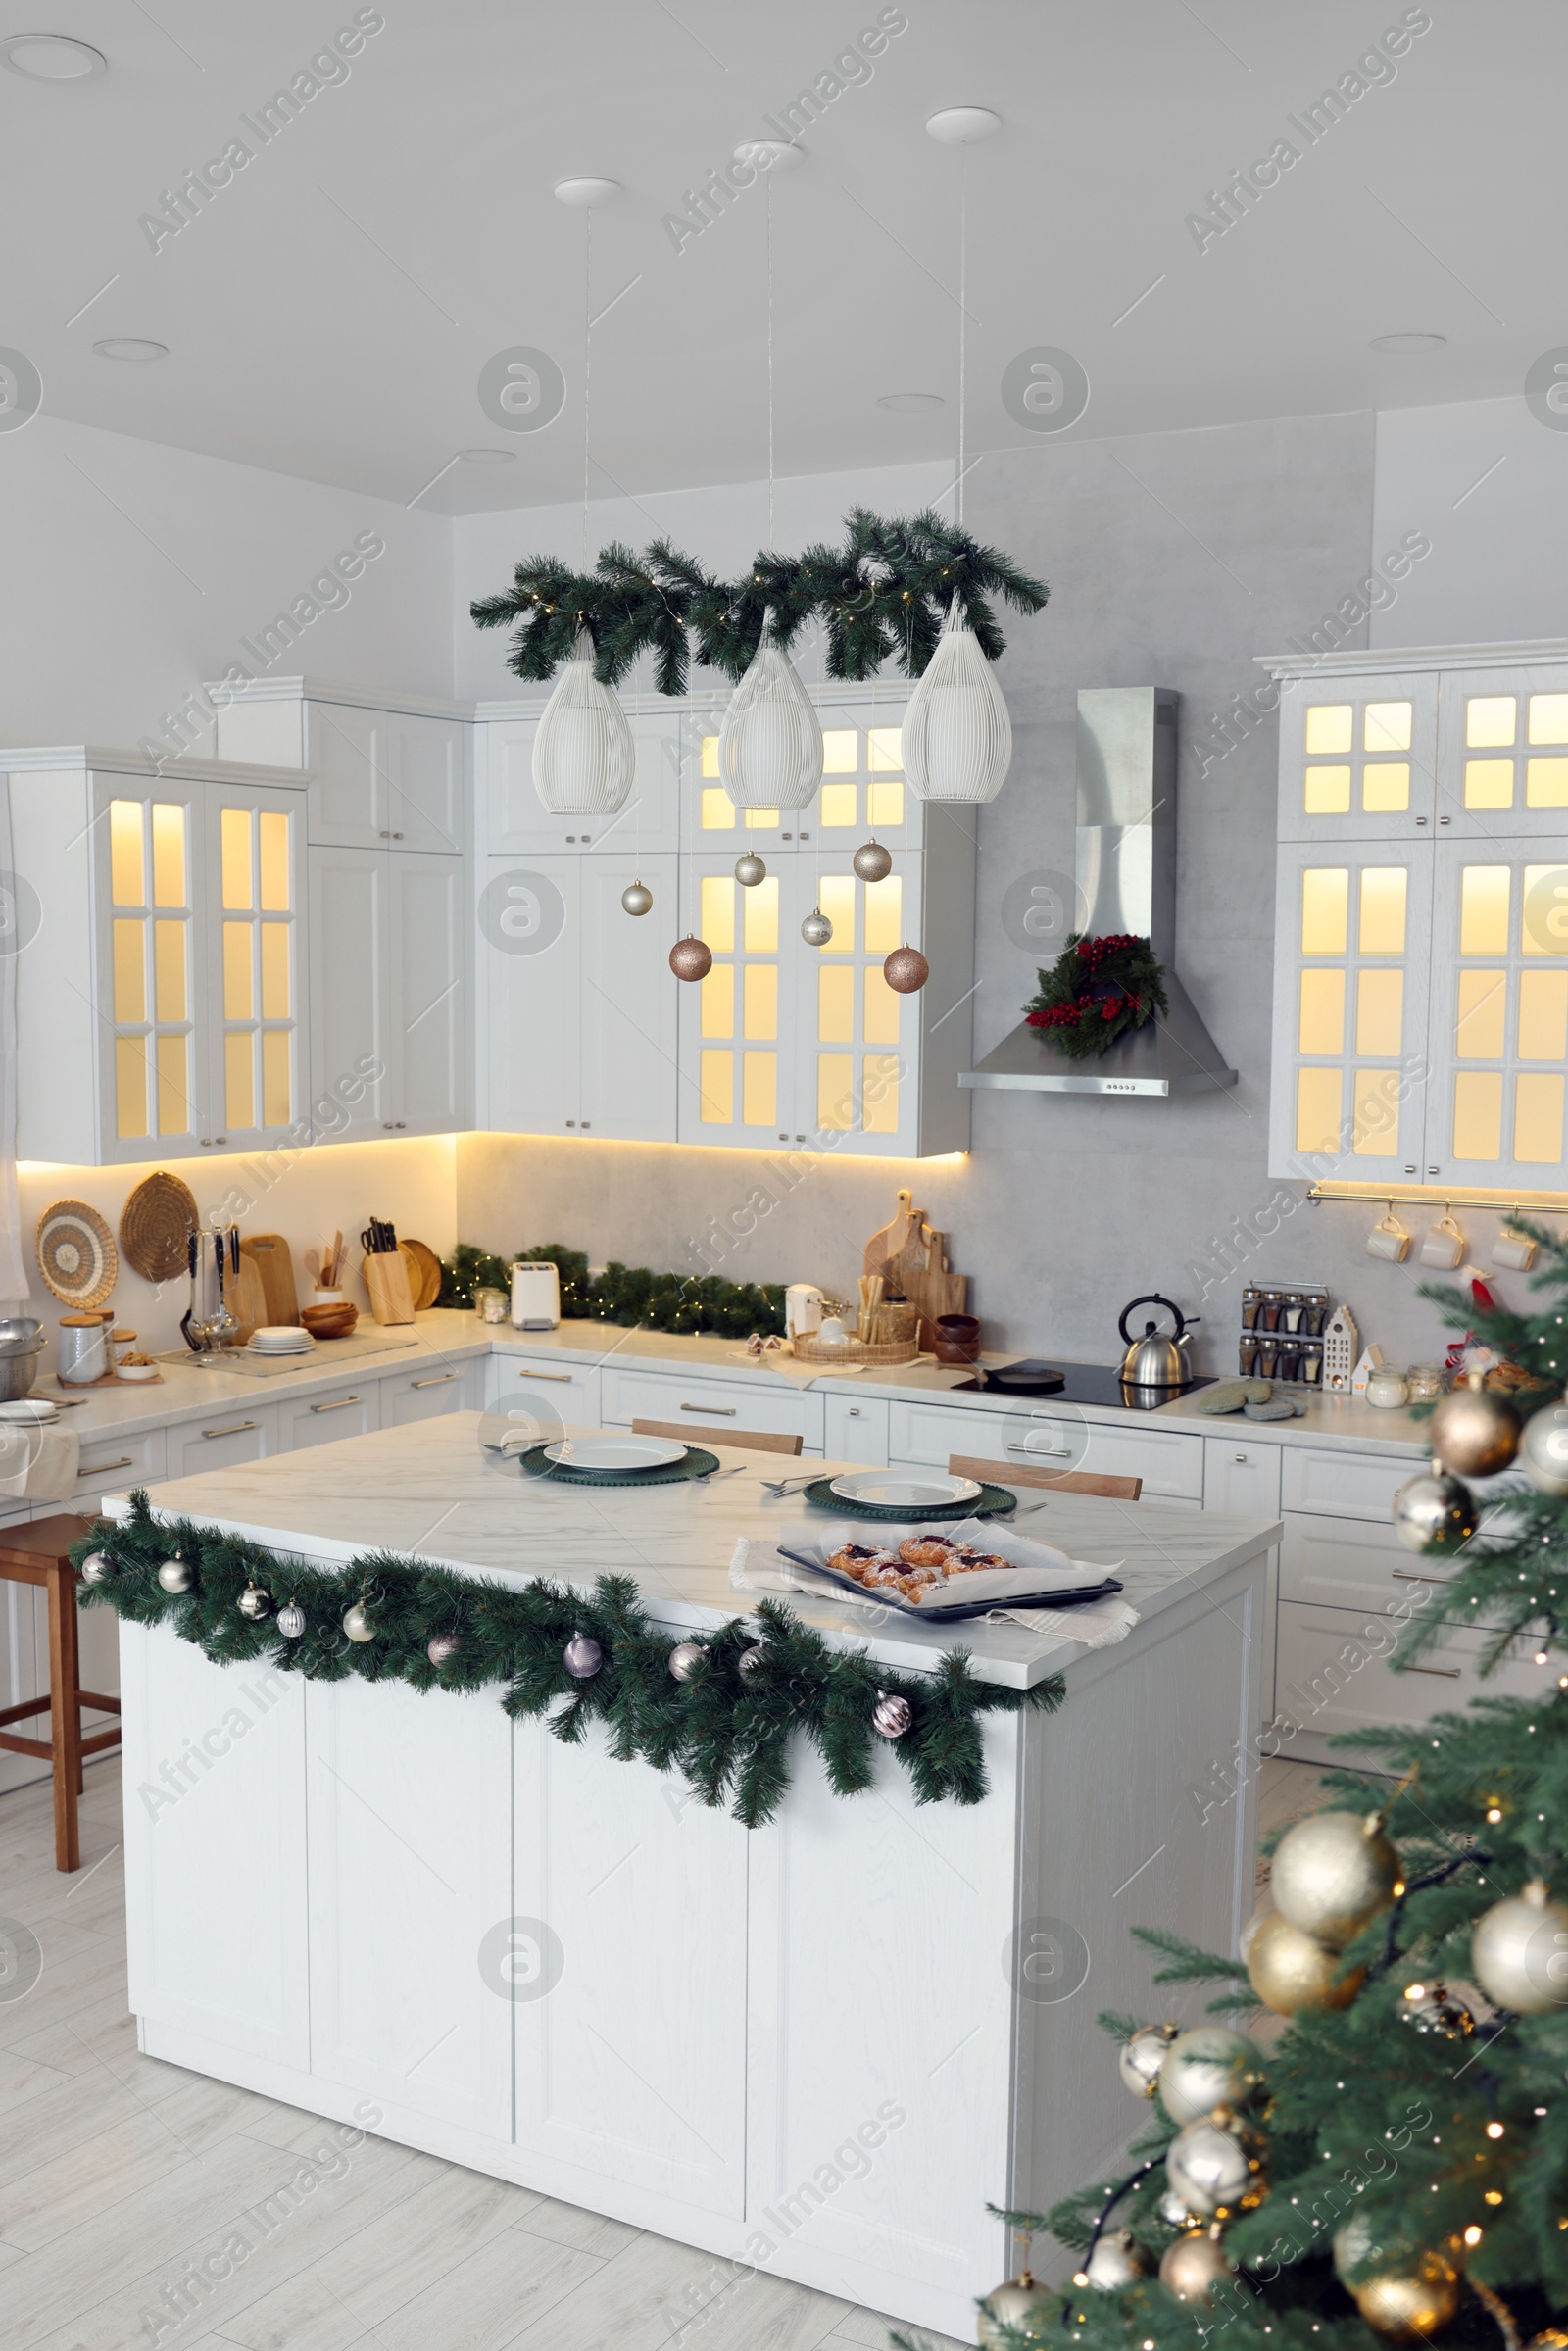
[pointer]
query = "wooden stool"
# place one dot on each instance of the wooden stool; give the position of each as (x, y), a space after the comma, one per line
(36, 1553)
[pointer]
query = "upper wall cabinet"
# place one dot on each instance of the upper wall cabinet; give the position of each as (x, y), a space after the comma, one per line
(862, 790)
(1421, 971)
(379, 776)
(515, 820)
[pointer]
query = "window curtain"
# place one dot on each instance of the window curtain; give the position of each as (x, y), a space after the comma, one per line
(13, 1263)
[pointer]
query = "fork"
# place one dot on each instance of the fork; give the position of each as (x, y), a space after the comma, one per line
(781, 1487)
(712, 1477)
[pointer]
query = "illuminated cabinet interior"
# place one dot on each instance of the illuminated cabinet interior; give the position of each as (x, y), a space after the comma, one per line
(1421, 971)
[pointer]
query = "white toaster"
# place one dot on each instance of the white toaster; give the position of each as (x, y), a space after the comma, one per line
(535, 1297)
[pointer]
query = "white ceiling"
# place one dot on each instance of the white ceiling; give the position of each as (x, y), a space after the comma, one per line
(328, 315)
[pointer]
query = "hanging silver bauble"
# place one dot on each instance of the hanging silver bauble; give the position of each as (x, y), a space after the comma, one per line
(751, 1661)
(1433, 2008)
(1117, 2261)
(255, 1601)
(750, 869)
(872, 862)
(816, 930)
(891, 1716)
(1475, 1431)
(584, 759)
(356, 1624)
(1434, 1512)
(97, 1568)
(1210, 2066)
(1216, 2165)
(1333, 1873)
(291, 1620)
(442, 1648)
(582, 1657)
(1140, 2058)
(691, 958)
(770, 739)
(1543, 1450)
(175, 1575)
(1193, 2266)
(1519, 1952)
(1021, 2311)
(685, 1659)
(1172, 2209)
(957, 737)
(636, 897)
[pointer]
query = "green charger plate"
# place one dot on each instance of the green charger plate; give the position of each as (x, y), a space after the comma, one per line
(991, 1501)
(697, 1464)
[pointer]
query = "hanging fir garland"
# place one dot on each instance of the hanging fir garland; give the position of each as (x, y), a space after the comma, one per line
(1095, 991)
(697, 1707)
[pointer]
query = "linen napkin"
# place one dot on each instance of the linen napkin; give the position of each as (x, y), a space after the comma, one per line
(38, 1464)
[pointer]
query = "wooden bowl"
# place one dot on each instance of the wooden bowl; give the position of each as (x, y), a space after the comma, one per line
(329, 1322)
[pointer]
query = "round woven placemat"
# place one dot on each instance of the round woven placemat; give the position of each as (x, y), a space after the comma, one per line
(991, 1501)
(155, 1226)
(697, 1464)
(77, 1254)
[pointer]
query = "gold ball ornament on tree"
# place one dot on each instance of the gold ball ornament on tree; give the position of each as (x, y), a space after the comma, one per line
(1333, 1873)
(872, 862)
(636, 897)
(1408, 2298)
(1208, 2067)
(691, 959)
(1117, 2261)
(1289, 1972)
(1475, 1431)
(1193, 2266)
(906, 970)
(1021, 2309)
(1519, 1952)
(1434, 1512)
(1543, 1450)
(1142, 2055)
(1216, 2165)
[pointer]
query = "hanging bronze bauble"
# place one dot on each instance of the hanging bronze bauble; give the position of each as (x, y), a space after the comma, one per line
(906, 970)
(1193, 2265)
(1289, 1972)
(1333, 1872)
(872, 862)
(690, 959)
(1475, 1431)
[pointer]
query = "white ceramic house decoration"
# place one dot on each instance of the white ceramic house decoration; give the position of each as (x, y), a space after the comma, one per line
(770, 738)
(583, 755)
(957, 736)
(1341, 1339)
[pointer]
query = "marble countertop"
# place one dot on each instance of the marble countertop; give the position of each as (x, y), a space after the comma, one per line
(429, 1491)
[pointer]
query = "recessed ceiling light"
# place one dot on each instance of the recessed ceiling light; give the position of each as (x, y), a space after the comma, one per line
(487, 457)
(959, 125)
(52, 57)
(910, 404)
(581, 193)
(770, 155)
(130, 347)
(1409, 342)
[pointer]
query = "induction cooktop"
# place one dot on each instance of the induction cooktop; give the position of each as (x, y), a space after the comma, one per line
(1079, 1384)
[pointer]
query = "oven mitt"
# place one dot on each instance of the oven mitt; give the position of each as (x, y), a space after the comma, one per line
(1279, 1407)
(1229, 1396)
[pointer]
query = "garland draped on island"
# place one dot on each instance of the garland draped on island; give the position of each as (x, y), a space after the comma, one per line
(886, 591)
(725, 1726)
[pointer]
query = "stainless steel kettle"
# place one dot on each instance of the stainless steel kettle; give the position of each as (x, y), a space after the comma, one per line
(1155, 1360)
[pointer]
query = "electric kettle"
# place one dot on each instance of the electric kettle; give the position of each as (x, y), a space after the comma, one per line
(1155, 1360)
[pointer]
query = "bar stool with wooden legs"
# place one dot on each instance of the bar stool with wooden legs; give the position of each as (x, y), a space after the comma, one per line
(36, 1552)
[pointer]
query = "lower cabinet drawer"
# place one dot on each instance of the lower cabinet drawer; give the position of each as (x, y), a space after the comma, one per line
(855, 1430)
(1333, 1673)
(627, 1396)
(350, 1411)
(1337, 1564)
(549, 1394)
(114, 1464)
(1052, 1437)
(424, 1395)
(229, 1436)
(1341, 1484)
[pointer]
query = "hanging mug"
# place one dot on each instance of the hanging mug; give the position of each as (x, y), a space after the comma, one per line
(1390, 1240)
(1513, 1249)
(1443, 1245)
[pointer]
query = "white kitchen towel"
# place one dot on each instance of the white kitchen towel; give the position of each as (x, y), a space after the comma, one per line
(13, 1264)
(796, 1375)
(759, 1566)
(38, 1464)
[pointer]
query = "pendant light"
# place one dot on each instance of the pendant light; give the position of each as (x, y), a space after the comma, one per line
(770, 738)
(584, 759)
(957, 736)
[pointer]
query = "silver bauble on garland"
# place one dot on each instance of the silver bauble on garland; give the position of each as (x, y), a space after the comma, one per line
(1208, 2067)
(872, 862)
(1434, 1512)
(1216, 2166)
(750, 869)
(1543, 1450)
(685, 1659)
(816, 930)
(357, 1624)
(691, 959)
(1332, 1874)
(255, 1601)
(1028, 2311)
(1519, 1952)
(175, 1575)
(751, 1661)
(1475, 1431)
(442, 1648)
(636, 897)
(97, 1568)
(905, 970)
(291, 1620)
(891, 1716)
(582, 1656)
(1141, 2057)
(1193, 2265)
(1117, 2261)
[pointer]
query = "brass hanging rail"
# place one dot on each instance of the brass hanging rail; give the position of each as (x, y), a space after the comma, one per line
(1508, 1203)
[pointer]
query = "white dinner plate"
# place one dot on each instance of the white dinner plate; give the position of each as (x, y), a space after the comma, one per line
(894, 1489)
(30, 1409)
(616, 1452)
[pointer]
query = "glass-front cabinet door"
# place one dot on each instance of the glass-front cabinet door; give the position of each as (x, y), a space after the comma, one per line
(255, 1035)
(737, 1038)
(1357, 756)
(1502, 753)
(1499, 1014)
(153, 1094)
(857, 1056)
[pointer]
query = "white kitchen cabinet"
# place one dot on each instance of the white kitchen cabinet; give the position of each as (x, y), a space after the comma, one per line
(162, 1006)
(1052, 1437)
(636, 1395)
(378, 778)
(628, 1087)
(350, 1411)
(1357, 756)
(855, 1428)
(1241, 1478)
(548, 1395)
(229, 1434)
(427, 1087)
(427, 1392)
(114, 1464)
(388, 1032)
(515, 819)
(1333, 1674)
(1334, 1483)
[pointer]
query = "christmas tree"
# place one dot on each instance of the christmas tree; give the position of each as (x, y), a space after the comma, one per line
(1393, 2165)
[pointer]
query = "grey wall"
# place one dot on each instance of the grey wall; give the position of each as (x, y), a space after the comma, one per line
(1172, 561)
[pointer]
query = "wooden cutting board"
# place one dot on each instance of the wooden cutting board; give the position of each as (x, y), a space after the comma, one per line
(272, 1260)
(246, 1296)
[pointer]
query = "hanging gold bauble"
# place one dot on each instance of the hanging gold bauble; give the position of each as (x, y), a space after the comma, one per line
(1117, 2261)
(1333, 1873)
(1208, 2067)
(1475, 1431)
(1024, 2307)
(1519, 1952)
(1193, 2266)
(1142, 2057)
(1217, 2164)
(1409, 2298)
(1289, 1972)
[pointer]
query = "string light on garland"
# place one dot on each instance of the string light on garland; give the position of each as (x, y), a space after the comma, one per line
(636, 897)
(691, 958)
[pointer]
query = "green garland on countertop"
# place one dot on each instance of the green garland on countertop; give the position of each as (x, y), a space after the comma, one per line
(684, 1303)
(729, 1733)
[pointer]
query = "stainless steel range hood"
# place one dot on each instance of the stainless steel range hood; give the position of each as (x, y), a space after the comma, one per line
(1125, 867)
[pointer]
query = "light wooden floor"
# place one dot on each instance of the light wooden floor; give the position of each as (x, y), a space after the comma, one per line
(118, 2172)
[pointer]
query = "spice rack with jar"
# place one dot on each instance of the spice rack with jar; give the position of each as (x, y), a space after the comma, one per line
(1282, 1332)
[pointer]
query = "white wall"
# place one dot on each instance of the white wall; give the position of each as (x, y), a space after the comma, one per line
(1489, 485)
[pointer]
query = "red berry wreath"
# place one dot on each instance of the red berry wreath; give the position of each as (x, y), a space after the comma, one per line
(1095, 991)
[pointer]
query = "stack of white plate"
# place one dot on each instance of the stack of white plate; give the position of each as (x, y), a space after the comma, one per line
(29, 1409)
(280, 1339)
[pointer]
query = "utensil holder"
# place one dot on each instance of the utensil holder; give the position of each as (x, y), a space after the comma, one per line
(386, 1278)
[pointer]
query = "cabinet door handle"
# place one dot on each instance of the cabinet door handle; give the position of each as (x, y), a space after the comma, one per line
(1237, 1456)
(233, 1428)
(1041, 1452)
(553, 1375)
(712, 1411)
(340, 1405)
(1441, 1673)
(97, 1469)
(438, 1381)
(1413, 1575)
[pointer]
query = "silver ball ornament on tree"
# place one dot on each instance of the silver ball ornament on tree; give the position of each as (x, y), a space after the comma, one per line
(750, 869)
(1434, 1512)
(1519, 1952)
(816, 930)
(1141, 2057)
(905, 970)
(1475, 1431)
(1216, 2166)
(357, 1624)
(1020, 2310)
(685, 1660)
(1172, 2209)
(1117, 2261)
(291, 1620)
(1193, 2266)
(1333, 1873)
(872, 862)
(891, 1716)
(97, 1568)
(442, 1648)
(582, 1657)
(691, 959)
(255, 1601)
(1210, 2066)
(1433, 2008)
(636, 897)
(1543, 1450)
(175, 1575)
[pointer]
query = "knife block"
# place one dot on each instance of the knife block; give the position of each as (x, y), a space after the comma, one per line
(386, 1278)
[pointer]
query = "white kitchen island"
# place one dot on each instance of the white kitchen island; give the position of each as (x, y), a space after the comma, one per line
(816, 2047)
